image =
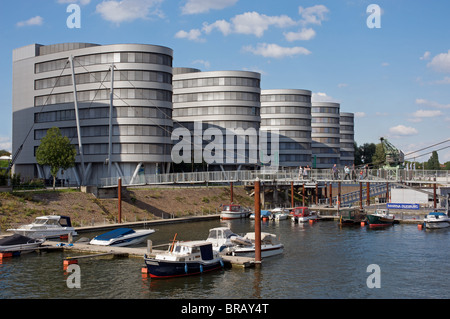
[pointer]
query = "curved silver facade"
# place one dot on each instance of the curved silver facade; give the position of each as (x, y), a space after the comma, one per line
(325, 134)
(43, 97)
(289, 111)
(226, 100)
(347, 131)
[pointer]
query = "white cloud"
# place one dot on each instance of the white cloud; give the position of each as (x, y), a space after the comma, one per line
(275, 51)
(128, 10)
(252, 23)
(427, 113)
(322, 97)
(401, 130)
(342, 85)
(5, 143)
(82, 2)
(303, 34)
(432, 104)
(360, 114)
(440, 63)
(193, 35)
(202, 6)
(205, 64)
(313, 15)
(37, 20)
(426, 55)
(445, 80)
(385, 64)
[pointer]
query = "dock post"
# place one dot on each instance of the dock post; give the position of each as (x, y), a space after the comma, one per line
(368, 193)
(257, 222)
(331, 194)
(434, 194)
(317, 193)
(119, 191)
(292, 194)
(387, 192)
(339, 196)
(149, 246)
(360, 196)
(231, 192)
(303, 194)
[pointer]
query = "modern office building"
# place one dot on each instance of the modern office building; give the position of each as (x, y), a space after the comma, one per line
(120, 105)
(132, 139)
(219, 102)
(289, 111)
(326, 138)
(347, 144)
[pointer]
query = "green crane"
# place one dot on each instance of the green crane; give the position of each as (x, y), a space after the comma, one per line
(394, 157)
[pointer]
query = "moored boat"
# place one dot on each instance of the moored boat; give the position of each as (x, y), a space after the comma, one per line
(233, 211)
(46, 227)
(224, 240)
(303, 215)
(270, 246)
(350, 217)
(279, 214)
(379, 218)
(19, 243)
(184, 259)
(265, 214)
(436, 220)
(122, 237)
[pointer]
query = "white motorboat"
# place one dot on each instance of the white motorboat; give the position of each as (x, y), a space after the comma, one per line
(234, 211)
(264, 214)
(19, 243)
(270, 246)
(279, 213)
(122, 237)
(436, 220)
(184, 259)
(303, 215)
(46, 227)
(223, 240)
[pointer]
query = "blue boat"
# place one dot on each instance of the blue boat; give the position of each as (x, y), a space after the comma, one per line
(184, 259)
(122, 237)
(264, 214)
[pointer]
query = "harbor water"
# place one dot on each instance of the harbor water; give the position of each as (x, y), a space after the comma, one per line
(320, 260)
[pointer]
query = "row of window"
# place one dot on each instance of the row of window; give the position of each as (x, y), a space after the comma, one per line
(216, 110)
(103, 130)
(103, 112)
(348, 128)
(347, 137)
(347, 145)
(105, 58)
(327, 140)
(332, 130)
(285, 122)
(129, 148)
(285, 110)
(295, 146)
(219, 124)
(326, 150)
(285, 98)
(295, 134)
(327, 120)
(330, 110)
(218, 81)
(105, 77)
(295, 158)
(216, 96)
(96, 95)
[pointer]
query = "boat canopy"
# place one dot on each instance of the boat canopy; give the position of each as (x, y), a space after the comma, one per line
(119, 232)
(436, 214)
(15, 239)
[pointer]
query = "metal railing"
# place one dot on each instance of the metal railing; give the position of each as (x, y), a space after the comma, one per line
(283, 176)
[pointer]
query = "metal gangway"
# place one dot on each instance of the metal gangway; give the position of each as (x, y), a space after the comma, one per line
(283, 177)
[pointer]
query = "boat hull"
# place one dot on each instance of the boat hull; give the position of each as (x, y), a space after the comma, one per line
(170, 269)
(133, 239)
(437, 224)
(379, 221)
(266, 251)
(43, 233)
(233, 215)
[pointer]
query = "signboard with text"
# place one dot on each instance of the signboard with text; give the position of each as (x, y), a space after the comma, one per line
(402, 206)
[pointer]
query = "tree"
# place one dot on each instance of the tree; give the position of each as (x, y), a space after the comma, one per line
(433, 162)
(56, 151)
(379, 158)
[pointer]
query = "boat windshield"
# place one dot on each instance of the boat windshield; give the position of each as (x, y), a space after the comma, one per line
(42, 221)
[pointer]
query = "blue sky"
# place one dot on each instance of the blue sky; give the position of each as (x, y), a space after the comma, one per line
(395, 78)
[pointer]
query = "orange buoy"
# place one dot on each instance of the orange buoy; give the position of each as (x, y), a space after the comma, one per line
(5, 255)
(420, 226)
(363, 224)
(68, 262)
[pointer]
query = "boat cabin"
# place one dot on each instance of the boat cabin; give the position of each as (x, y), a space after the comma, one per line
(231, 208)
(55, 220)
(220, 233)
(301, 211)
(189, 251)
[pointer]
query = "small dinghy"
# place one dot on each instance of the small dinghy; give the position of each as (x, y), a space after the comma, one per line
(122, 237)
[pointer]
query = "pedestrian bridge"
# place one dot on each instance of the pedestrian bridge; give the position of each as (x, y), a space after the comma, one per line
(284, 177)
